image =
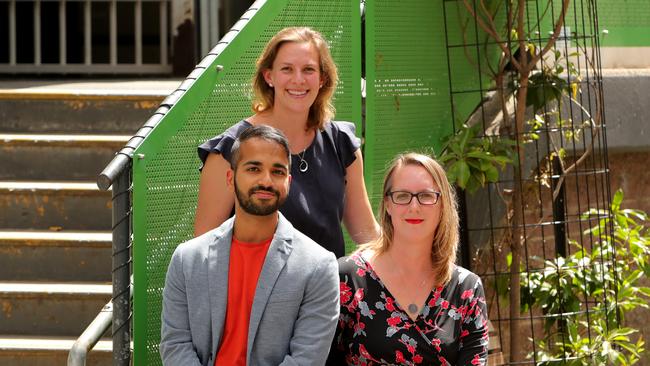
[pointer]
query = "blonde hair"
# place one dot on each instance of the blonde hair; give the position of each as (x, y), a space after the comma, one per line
(445, 240)
(322, 110)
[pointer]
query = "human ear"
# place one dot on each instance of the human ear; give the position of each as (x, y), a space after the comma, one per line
(267, 77)
(389, 207)
(230, 179)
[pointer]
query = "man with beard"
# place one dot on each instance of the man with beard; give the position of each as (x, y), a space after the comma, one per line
(254, 291)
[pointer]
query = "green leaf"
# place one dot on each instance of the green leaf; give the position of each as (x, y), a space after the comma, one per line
(485, 165)
(455, 149)
(473, 184)
(616, 201)
(463, 173)
(480, 177)
(474, 163)
(480, 155)
(492, 174)
(465, 135)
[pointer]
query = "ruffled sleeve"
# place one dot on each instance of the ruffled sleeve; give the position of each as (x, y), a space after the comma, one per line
(222, 143)
(347, 143)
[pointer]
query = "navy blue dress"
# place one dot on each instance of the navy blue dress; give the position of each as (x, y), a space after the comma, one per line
(316, 197)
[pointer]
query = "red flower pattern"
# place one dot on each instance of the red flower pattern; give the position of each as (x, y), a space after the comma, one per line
(377, 332)
(346, 292)
(399, 357)
(394, 321)
(467, 294)
(390, 304)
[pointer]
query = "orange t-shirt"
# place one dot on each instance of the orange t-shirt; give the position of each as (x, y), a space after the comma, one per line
(246, 261)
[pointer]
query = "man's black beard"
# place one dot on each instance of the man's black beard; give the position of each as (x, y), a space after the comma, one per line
(251, 207)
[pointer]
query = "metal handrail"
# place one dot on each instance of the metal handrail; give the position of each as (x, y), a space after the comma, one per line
(117, 174)
(90, 336)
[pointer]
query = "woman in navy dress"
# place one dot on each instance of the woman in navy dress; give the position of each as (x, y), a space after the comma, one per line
(294, 84)
(403, 299)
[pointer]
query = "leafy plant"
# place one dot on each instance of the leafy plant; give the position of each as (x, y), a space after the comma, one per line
(472, 160)
(533, 76)
(596, 279)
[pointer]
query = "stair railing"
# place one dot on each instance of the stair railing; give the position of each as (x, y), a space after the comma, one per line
(117, 176)
(117, 312)
(132, 176)
(90, 336)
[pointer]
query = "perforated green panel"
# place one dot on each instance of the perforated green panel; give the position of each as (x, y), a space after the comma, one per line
(470, 67)
(165, 167)
(407, 84)
(627, 22)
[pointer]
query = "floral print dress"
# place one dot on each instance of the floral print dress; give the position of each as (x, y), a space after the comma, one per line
(373, 329)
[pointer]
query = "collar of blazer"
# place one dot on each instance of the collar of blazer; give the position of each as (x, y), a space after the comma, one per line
(218, 261)
(281, 239)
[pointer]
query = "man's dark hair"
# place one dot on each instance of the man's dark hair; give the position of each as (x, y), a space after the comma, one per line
(263, 132)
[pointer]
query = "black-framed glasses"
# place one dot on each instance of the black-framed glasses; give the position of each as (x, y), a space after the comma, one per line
(404, 197)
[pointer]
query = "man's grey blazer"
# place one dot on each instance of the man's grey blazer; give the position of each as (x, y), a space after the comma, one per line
(294, 312)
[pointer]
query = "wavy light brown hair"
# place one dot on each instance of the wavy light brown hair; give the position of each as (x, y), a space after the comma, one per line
(445, 240)
(322, 110)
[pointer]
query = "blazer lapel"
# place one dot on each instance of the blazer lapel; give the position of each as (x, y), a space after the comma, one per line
(218, 265)
(276, 259)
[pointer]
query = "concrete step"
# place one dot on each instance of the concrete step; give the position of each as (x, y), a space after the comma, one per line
(76, 115)
(54, 206)
(31, 255)
(50, 309)
(39, 351)
(56, 157)
(85, 106)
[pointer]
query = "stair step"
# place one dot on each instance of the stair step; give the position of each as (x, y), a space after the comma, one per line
(36, 351)
(30, 255)
(50, 309)
(49, 109)
(56, 157)
(54, 206)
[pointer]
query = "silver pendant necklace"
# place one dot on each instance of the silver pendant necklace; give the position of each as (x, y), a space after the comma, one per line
(411, 308)
(303, 166)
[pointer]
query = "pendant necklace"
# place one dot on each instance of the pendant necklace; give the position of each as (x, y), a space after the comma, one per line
(411, 308)
(303, 165)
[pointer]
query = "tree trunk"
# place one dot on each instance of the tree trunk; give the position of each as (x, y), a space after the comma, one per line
(516, 351)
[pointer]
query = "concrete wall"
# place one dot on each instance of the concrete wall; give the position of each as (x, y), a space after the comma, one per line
(627, 109)
(627, 112)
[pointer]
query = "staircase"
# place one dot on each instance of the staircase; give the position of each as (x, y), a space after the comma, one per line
(55, 239)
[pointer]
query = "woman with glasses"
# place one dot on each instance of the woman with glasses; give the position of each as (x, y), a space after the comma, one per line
(403, 300)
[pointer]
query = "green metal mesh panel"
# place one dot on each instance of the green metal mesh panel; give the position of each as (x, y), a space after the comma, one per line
(408, 90)
(165, 167)
(627, 22)
(407, 85)
(471, 68)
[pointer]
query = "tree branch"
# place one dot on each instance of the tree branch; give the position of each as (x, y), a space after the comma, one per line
(491, 30)
(556, 33)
